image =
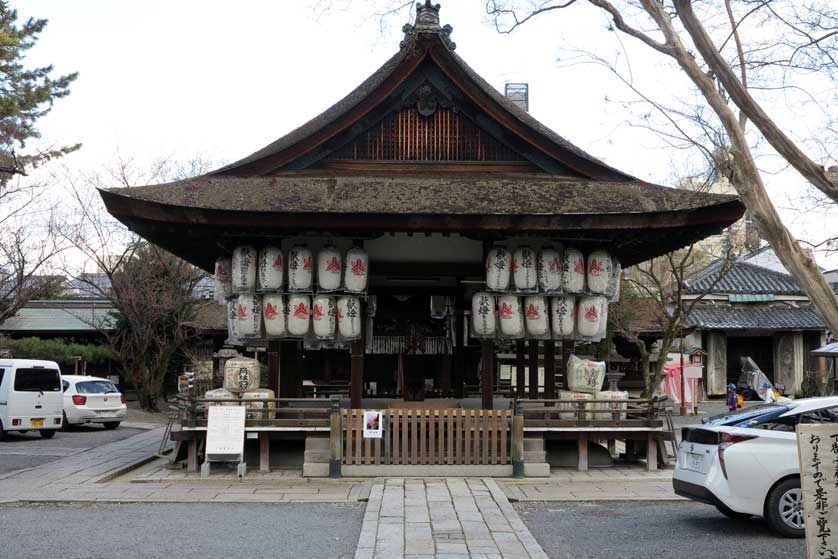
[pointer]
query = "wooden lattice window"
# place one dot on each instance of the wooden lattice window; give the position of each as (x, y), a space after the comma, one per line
(444, 135)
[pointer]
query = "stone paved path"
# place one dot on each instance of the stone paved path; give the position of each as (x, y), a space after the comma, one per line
(443, 519)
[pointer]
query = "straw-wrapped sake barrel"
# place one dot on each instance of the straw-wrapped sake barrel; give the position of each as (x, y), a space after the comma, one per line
(249, 309)
(271, 268)
(274, 314)
(549, 270)
(573, 271)
(244, 269)
(511, 317)
(357, 270)
(536, 316)
(329, 268)
(324, 316)
(498, 264)
(300, 268)
(483, 314)
(241, 374)
(524, 272)
(598, 271)
(219, 394)
(259, 394)
(299, 312)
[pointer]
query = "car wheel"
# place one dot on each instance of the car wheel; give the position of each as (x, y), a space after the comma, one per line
(730, 513)
(2, 432)
(784, 509)
(111, 425)
(47, 433)
(65, 423)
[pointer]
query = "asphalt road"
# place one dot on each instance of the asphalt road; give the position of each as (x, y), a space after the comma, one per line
(185, 531)
(644, 530)
(26, 450)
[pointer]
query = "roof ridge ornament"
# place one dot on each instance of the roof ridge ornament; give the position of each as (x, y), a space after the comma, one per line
(427, 21)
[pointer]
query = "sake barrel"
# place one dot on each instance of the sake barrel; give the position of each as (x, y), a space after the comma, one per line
(328, 268)
(241, 374)
(483, 314)
(584, 375)
(223, 279)
(219, 394)
(299, 311)
(573, 271)
(598, 271)
(536, 316)
(614, 284)
(259, 394)
(271, 268)
(349, 317)
(249, 309)
(274, 315)
(523, 268)
(498, 263)
(357, 270)
(549, 270)
(608, 408)
(511, 318)
(300, 268)
(324, 316)
(233, 319)
(244, 269)
(571, 408)
(563, 310)
(589, 316)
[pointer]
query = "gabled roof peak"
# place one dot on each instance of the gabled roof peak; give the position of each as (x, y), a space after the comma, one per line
(427, 21)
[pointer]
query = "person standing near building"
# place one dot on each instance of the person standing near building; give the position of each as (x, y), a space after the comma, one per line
(732, 398)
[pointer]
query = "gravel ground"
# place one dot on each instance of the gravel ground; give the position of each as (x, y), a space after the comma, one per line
(185, 531)
(644, 530)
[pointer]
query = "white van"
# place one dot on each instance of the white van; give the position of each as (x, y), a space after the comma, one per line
(30, 396)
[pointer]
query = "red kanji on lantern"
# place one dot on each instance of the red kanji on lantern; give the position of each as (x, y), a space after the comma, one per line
(579, 266)
(573, 313)
(553, 265)
(270, 312)
(513, 266)
(532, 312)
(307, 264)
(595, 268)
(317, 313)
(333, 265)
(301, 311)
(340, 314)
(505, 310)
(278, 262)
(591, 314)
(358, 267)
(242, 312)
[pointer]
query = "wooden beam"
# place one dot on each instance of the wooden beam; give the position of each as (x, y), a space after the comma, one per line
(458, 376)
(520, 368)
(533, 369)
(273, 367)
(356, 381)
(549, 369)
(487, 374)
(568, 347)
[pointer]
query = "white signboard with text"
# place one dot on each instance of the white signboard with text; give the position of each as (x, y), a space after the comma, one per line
(373, 429)
(225, 433)
(818, 451)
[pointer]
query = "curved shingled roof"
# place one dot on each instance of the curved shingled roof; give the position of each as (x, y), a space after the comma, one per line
(742, 278)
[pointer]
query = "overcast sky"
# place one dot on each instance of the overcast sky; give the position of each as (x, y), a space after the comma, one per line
(220, 79)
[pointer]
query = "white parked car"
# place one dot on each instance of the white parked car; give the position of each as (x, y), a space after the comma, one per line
(30, 396)
(92, 400)
(750, 468)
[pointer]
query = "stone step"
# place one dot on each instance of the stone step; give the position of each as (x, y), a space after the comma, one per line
(316, 456)
(317, 443)
(537, 469)
(317, 469)
(533, 443)
(535, 456)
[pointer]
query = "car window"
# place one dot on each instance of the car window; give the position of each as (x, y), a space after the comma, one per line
(785, 424)
(827, 415)
(768, 416)
(64, 385)
(745, 414)
(37, 380)
(1, 376)
(95, 387)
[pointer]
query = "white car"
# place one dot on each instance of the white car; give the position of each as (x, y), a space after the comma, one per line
(750, 468)
(92, 400)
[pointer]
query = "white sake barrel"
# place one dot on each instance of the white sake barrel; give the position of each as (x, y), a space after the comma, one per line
(536, 316)
(563, 310)
(259, 394)
(584, 375)
(271, 268)
(328, 268)
(357, 270)
(223, 280)
(570, 407)
(573, 271)
(498, 264)
(241, 374)
(244, 269)
(549, 270)
(614, 284)
(349, 317)
(598, 271)
(483, 314)
(524, 272)
(324, 316)
(609, 408)
(589, 316)
(233, 319)
(300, 268)
(249, 308)
(299, 311)
(511, 317)
(219, 394)
(274, 314)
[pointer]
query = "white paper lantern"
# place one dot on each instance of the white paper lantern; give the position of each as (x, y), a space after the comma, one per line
(573, 271)
(589, 316)
(524, 272)
(349, 317)
(299, 311)
(328, 268)
(549, 270)
(498, 264)
(511, 318)
(271, 268)
(300, 268)
(563, 310)
(233, 319)
(357, 270)
(598, 271)
(483, 314)
(603, 323)
(244, 269)
(223, 280)
(249, 309)
(614, 284)
(274, 314)
(324, 316)
(535, 315)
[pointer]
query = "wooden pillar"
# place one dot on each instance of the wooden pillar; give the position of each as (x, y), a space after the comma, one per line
(356, 374)
(487, 371)
(286, 357)
(533, 369)
(264, 452)
(273, 367)
(458, 374)
(520, 368)
(549, 369)
(568, 347)
(445, 375)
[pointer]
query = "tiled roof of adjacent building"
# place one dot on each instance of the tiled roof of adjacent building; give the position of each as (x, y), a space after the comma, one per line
(738, 318)
(742, 277)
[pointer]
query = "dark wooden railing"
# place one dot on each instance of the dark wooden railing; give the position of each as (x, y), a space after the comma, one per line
(299, 413)
(620, 414)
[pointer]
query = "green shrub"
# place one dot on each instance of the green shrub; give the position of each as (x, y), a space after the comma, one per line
(57, 350)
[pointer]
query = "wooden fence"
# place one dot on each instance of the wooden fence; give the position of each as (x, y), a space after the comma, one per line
(428, 437)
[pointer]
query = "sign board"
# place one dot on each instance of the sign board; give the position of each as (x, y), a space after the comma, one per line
(692, 371)
(817, 447)
(225, 433)
(373, 429)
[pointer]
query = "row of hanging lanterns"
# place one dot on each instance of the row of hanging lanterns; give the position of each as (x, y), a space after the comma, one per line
(294, 316)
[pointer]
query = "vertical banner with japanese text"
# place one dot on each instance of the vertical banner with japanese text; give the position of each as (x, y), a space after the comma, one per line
(818, 451)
